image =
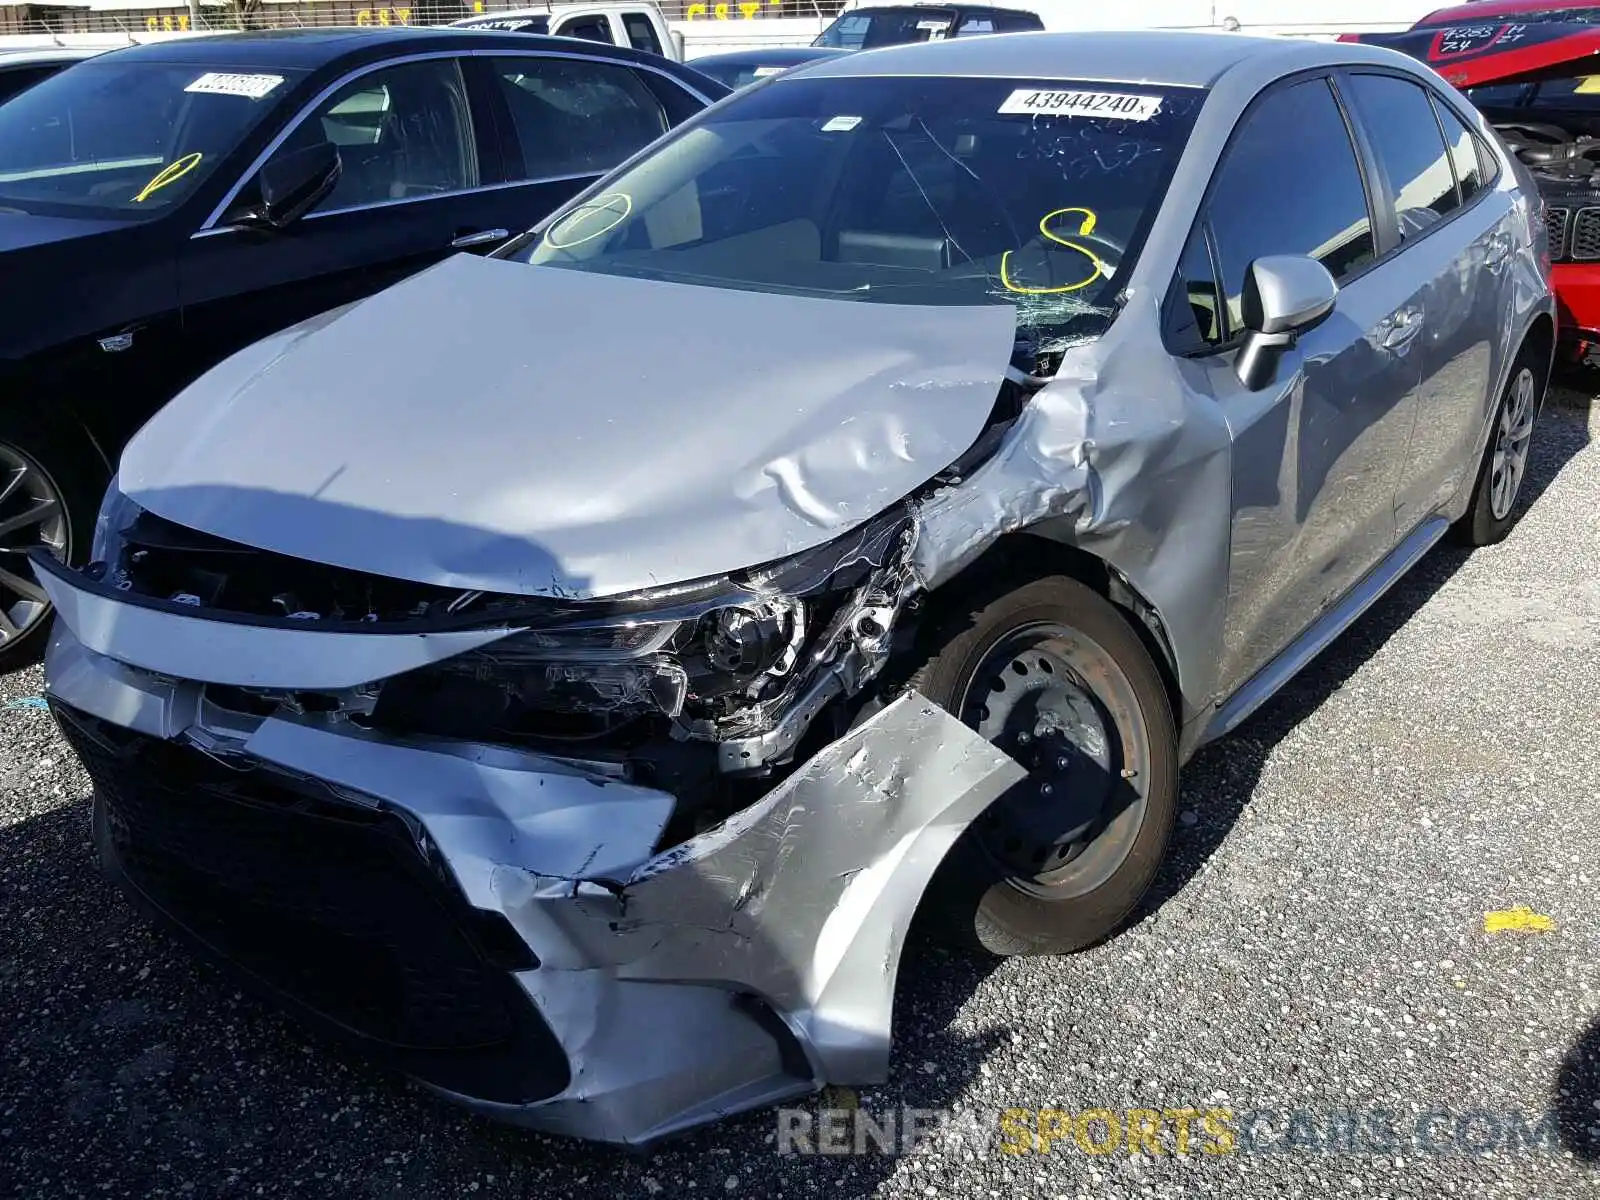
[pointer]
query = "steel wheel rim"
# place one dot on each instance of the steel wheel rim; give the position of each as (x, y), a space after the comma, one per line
(31, 514)
(1082, 802)
(1513, 433)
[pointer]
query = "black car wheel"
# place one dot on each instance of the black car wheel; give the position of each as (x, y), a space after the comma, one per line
(1054, 675)
(49, 491)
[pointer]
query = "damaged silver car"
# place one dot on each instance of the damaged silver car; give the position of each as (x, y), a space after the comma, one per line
(568, 673)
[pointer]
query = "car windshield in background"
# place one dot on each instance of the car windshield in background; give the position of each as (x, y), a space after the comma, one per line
(886, 27)
(126, 140)
(932, 191)
(737, 74)
(1577, 93)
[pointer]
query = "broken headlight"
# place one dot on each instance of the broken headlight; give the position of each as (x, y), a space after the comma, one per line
(642, 663)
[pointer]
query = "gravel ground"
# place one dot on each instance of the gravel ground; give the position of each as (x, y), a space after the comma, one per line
(1317, 943)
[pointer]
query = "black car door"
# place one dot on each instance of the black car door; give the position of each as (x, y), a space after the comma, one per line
(417, 181)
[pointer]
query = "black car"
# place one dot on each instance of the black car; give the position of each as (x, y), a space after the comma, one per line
(741, 68)
(164, 205)
(898, 24)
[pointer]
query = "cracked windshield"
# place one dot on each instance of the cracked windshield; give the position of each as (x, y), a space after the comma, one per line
(899, 190)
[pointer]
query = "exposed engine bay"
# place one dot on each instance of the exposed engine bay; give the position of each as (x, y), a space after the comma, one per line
(1555, 153)
(1563, 155)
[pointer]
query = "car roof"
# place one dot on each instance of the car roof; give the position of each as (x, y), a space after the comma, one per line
(311, 48)
(10, 57)
(1482, 10)
(1168, 57)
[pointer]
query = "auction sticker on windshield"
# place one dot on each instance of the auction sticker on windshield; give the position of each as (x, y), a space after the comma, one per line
(219, 83)
(1115, 106)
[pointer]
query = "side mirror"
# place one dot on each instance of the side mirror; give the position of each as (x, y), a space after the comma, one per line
(1284, 295)
(293, 184)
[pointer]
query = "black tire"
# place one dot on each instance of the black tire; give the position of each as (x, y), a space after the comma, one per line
(75, 473)
(1488, 518)
(1120, 784)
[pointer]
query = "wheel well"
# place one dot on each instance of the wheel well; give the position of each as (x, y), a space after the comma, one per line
(1542, 334)
(14, 387)
(1023, 556)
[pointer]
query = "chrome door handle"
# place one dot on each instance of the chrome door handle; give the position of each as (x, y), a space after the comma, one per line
(1499, 250)
(481, 238)
(1401, 328)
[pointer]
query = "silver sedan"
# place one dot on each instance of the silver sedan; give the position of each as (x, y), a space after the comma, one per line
(567, 673)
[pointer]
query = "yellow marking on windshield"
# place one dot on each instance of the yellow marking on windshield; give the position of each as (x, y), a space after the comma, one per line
(1085, 228)
(605, 205)
(170, 173)
(1588, 85)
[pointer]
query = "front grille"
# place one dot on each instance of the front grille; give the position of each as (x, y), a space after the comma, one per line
(1585, 240)
(1555, 224)
(329, 904)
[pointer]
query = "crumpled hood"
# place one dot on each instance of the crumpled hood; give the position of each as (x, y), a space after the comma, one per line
(544, 431)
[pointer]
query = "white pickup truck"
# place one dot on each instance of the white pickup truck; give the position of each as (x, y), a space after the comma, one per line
(639, 25)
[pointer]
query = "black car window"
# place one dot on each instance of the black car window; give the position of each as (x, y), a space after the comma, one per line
(591, 29)
(641, 33)
(1255, 208)
(576, 117)
(403, 133)
(1405, 137)
(19, 79)
(865, 29)
(127, 139)
(1463, 152)
(1017, 22)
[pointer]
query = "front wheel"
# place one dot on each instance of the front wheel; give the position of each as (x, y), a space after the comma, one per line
(50, 485)
(1053, 675)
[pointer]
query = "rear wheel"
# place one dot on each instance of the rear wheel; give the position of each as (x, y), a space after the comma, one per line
(1505, 460)
(1053, 675)
(50, 486)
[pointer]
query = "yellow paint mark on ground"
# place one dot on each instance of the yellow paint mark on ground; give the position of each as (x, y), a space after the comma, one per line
(1520, 919)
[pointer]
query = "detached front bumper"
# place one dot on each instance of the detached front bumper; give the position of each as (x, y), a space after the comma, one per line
(503, 926)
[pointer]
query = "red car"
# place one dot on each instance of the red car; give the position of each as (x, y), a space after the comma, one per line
(1586, 11)
(1538, 84)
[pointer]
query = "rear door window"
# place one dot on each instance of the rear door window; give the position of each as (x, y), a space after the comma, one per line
(641, 33)
(575, 116)
(1410, 148)
(591, 29)
(1464, 152)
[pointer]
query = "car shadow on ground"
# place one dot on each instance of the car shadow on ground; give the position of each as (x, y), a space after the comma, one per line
(133, 1067)
(1576, 1099)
